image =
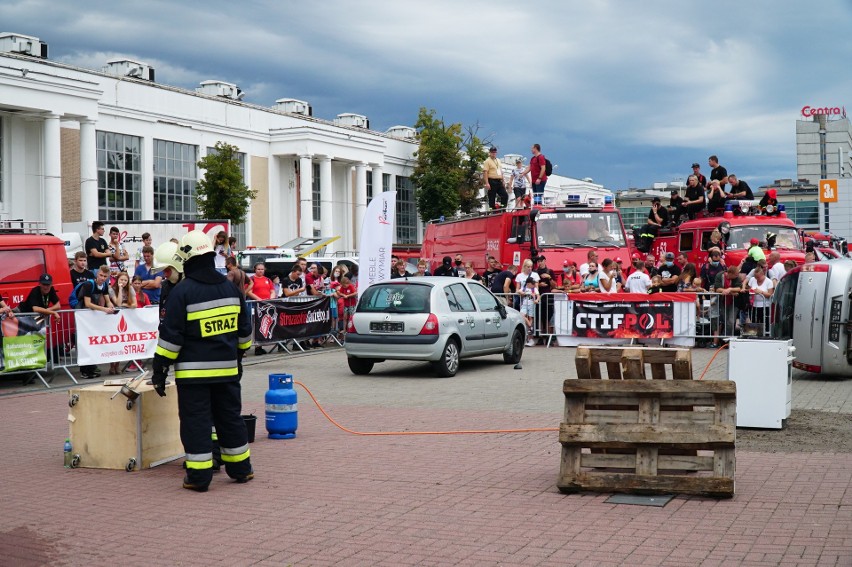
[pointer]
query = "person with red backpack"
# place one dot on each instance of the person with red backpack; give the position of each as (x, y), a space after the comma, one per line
(540, 168)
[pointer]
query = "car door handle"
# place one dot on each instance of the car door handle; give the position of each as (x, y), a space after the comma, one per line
(461, 321)
(488, 320)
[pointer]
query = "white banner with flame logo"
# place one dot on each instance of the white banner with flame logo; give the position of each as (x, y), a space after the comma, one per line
(129, 334)
(376, 240)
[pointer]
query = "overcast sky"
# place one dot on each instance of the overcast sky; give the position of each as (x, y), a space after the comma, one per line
(627, 93)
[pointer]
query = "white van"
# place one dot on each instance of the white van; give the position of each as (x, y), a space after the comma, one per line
(812, 306)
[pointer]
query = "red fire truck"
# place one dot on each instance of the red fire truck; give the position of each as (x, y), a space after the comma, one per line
(694, 237)
(557, 232)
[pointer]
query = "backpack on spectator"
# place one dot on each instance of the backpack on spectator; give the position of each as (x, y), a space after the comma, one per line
(548, 167)
(74, 299)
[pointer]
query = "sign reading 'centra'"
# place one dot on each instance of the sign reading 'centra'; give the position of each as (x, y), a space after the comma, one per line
(831, 111)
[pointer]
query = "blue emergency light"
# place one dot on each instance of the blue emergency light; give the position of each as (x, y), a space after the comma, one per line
(608, 199)
(781, 208)
(729, 207)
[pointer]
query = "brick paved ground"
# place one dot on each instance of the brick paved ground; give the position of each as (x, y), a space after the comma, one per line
(328, 498)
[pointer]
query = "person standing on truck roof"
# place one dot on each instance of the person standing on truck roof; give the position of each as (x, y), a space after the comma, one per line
(519, 183)
(696, 171)
(146, 241)
(695, 200)
(537, 168)
(79, 273)
(97, 249)
(717, 172)
(493, 174)
(152, 281)
(739, 189)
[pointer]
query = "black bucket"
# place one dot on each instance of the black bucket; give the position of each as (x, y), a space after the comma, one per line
(251, 422)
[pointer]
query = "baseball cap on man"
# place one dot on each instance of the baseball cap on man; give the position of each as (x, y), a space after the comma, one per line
(45, 279)
(754, 241)
(675, 191)
(617, 260)
(695, 165)
(670, 255)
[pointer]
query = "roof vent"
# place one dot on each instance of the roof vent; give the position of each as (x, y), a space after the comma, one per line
(356, 120)
(510, 159)
(129, 68)
(404, 132)
(221, 88)
(23, 45)
(293, 106)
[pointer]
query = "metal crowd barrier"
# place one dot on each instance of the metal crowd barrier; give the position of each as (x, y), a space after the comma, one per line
(716, 317)
(30, 374)
(291, 346)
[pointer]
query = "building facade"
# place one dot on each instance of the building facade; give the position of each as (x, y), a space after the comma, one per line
(78, 145)
(823, 144)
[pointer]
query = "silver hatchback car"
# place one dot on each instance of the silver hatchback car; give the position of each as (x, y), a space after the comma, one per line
(436, 319)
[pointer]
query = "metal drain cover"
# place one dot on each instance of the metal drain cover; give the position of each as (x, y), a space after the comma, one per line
(640, 500)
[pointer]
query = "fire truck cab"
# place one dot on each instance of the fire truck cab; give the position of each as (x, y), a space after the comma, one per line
(559, 233)
(694, 237)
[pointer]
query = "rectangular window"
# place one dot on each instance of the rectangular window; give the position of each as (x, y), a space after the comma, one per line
(369, 186)
(406, 212)
(315, 193)
(175, 175)
(119, 176)
(238, 230)
(21, 266)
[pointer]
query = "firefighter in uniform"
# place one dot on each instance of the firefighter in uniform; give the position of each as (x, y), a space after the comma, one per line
(205, 334)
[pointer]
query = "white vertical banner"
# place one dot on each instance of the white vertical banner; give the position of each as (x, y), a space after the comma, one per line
(376, 241)
(128, 334)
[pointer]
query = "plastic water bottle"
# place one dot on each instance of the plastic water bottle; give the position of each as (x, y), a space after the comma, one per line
(68, 454)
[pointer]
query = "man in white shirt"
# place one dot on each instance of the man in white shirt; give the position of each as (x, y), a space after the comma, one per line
(591, 256)
(638, 281)
(776, 267)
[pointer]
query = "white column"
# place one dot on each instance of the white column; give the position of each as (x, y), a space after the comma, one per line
(274, 206)
(378, 180)
(52, 171)
(88, 173)
(148, 178)
(306, 214)
(360, 201)
(327, 227)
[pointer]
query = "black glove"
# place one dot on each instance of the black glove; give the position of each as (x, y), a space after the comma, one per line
(158, 379)
(161, 369)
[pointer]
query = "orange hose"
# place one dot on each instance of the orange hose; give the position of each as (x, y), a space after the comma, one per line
(379, 433)
(706, 368)
(461, 432)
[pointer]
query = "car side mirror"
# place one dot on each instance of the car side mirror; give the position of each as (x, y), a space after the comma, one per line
(511, 240)
(501, 309)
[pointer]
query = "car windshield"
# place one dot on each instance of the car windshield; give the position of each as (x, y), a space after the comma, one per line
(786, 237)
(396, 298)
(579, 229)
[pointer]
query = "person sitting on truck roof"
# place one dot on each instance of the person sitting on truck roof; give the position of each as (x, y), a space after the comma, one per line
(676, 209)
(716, 198)
(739, 189)
(695, 201)
(769, 199)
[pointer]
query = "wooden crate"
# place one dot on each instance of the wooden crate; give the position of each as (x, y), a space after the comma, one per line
(108, 435)
(629, 362)
(657, 423)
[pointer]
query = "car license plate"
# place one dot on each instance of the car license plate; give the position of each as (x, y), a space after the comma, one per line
(387, 327)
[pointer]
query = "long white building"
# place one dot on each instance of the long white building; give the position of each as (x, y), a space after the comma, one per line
(78, 145)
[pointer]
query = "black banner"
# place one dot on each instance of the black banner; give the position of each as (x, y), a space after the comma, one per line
(281, 320)
(646, 320)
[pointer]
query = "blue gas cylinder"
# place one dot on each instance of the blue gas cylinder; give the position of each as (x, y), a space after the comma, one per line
(282, 415)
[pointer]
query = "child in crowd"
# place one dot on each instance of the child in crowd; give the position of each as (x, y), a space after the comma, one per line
(349, 293)
(529, 299)
(656, 285)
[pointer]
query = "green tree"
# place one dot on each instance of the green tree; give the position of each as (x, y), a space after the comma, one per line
(448, 173)
(221, 194)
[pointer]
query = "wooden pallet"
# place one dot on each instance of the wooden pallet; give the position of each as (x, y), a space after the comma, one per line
(629, 362)
(658, 423)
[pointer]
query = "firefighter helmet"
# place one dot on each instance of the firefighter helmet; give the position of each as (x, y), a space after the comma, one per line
(194, 243)
(166, 256)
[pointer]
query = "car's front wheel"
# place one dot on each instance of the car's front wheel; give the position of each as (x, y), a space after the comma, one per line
(448, 365)
(360, 366)
(513, 356)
